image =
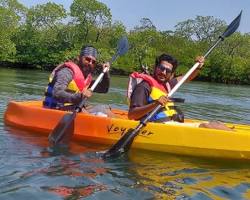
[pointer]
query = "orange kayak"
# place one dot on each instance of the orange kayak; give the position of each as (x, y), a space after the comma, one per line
(172, 138)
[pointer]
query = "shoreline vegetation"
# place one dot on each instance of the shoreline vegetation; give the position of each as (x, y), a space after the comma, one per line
(45, 35)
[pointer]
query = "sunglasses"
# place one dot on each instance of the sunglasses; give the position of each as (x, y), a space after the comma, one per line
(164, 69)
(90, 60)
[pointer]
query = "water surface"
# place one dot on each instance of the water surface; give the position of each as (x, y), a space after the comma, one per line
(28, 171)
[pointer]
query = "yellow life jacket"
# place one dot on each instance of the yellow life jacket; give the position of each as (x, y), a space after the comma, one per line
(157, 90)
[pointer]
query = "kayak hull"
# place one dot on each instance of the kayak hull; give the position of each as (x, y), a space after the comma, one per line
(171, 138)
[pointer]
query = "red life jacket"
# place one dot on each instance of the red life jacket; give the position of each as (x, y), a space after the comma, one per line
(136, 77)
(78, 83)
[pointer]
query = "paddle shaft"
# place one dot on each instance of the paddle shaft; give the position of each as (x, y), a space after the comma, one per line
(176, 87)
(122, 49)
(78, 108)
(65, 125)
(126, 140)
(97, 81)
(230, 30)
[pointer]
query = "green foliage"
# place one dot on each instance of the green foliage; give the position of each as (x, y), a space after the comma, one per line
(46, 35)
(89, 14)
(39, 40)
(46, 16)
(201, 28)
(10, 17)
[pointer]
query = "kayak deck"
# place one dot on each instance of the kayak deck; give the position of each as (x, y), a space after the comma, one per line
(171, 138)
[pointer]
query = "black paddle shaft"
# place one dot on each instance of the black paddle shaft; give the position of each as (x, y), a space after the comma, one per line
(124, 143)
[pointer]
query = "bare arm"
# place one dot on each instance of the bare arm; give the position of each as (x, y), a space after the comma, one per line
(138, 112)
(199, 59)
(191, 77)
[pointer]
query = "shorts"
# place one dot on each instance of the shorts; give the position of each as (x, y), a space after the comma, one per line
(99, 110)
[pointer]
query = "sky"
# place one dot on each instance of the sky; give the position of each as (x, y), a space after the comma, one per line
(165, 14)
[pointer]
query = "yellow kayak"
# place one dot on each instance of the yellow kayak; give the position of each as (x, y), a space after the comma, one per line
(175, 138)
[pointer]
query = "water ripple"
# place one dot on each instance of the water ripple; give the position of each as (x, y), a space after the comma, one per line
(29, 171)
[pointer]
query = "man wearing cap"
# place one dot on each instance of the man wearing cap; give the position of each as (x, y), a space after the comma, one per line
(69, 82)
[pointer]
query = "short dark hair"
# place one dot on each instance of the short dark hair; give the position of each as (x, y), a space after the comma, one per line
(168, 58)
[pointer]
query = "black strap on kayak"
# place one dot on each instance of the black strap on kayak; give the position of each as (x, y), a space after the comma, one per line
(177, 100)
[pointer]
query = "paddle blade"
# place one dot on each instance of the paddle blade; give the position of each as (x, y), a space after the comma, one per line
(232, 27)
(63, 131)
(122, 46)
(123, 144)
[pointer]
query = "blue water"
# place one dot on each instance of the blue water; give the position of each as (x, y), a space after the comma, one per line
(29, 171)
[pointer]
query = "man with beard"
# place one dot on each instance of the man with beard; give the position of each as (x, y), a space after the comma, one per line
(69, 84)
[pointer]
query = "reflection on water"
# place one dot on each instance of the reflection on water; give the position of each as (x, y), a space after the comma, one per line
(29, 171)
(192, 178)
(76, 174)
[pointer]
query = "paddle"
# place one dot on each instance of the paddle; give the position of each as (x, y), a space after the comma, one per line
(124, 143)
(64, 129)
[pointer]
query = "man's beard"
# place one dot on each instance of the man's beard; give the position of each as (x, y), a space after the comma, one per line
(160, 80)
(86, 69)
